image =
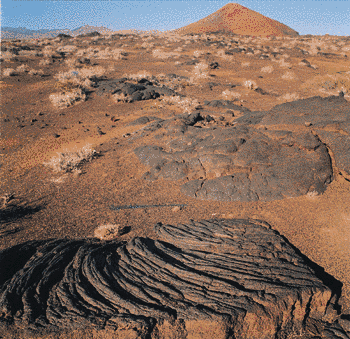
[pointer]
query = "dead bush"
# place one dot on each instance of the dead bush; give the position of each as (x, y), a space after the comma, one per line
(328, 83)
(70, 161)
(267, 69)
(36, 72)
(8, 72)
(230, 95)
(108, 231)
(23, 69)
(250, 84)
(188, 105)
(289, 76)
(67, 98)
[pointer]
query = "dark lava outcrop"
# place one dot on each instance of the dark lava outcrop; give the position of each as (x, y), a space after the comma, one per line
(237, 273)
(328, 118)
(281, 153)
(143, 90)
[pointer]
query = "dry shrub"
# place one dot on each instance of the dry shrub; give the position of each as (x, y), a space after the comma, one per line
(8, 72)
(67, 98)
(23, 69)
(140, 75)
(68, 49)
(329, 82)
(283, 63)
(43, 42)
(108, 231)
(286, 56)
(289, 76)
(197, 53)
(147, 45)
(250, 84)
(201, 70)
(161, 54)
(8, 56)
(221, 53)
(187, 104)
(119, 54)
(29, 53)
(49, 51)
(267, 69)
(314, 50)
(36, 72)
(108, 53)
(81, 52)
(289, 97)
(121, 97)
(79, 78)
(71, 161)
(72, 62)
(230, 95)
(45, 62)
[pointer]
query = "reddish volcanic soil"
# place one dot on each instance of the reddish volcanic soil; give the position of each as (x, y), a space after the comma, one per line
(39, 203)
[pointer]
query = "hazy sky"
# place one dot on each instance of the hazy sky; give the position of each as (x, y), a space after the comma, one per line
(306, 17)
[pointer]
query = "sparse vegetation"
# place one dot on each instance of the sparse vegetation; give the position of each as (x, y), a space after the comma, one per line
(8, 72)
(267, 69)
(45, 62)
(289, 76)
(289, 97)
(230, 95)
(121, 97)
(161, 54)
(328, 82)
(138, 76)
(250, 84)
(108, 232)
(23, 68)
(70, 161)
(36, 72)
(67, 98)
(186, 104)
(82, 78)
(200, 71)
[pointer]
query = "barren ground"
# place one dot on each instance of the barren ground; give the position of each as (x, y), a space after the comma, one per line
(48, 204)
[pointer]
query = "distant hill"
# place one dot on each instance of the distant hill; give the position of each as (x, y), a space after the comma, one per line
(24, 33)
(238, 19)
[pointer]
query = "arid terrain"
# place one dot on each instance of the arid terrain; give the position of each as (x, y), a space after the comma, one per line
(88, 131)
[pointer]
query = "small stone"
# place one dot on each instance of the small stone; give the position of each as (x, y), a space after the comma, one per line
(308, 124)
(176, 209)
(56, 135)
(209, 118)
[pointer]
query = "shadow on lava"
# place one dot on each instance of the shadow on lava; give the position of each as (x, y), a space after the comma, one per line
(13, 213)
